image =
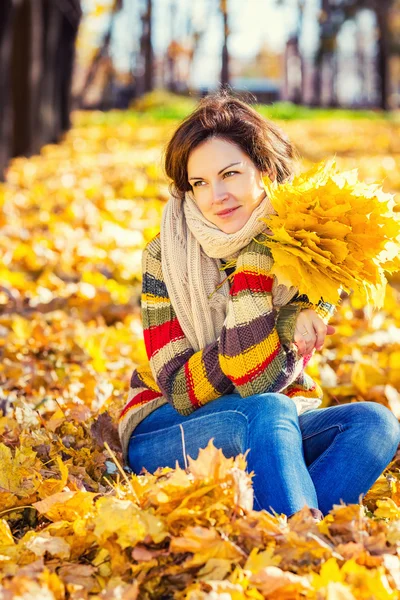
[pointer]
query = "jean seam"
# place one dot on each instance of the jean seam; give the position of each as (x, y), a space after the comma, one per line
(246, 448)
(323, 456)
(183, 445)
(247, 426)
(306, 437)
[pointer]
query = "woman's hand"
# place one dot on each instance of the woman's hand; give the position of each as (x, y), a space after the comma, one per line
(314, 329)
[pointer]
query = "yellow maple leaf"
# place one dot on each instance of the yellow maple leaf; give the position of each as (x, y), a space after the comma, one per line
(387, 509)
(19, 474)
(66, 506)
(6, 537)
(330, 571)
(130, 524)
(332, 232)
(51, 486)
(205, 544)
(257, 559)
(210, 463)
(370, 583)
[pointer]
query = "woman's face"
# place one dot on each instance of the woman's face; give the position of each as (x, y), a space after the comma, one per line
(226, 184)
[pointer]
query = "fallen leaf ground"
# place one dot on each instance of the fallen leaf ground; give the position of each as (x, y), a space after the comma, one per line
(75, 522)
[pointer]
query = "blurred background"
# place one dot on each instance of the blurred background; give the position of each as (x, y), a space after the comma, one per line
(61, 55)
(90, 93)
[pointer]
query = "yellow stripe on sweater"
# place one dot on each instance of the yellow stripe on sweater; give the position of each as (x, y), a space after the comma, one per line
(145, 374)
(146, 298)
(239, 366)
(203, 390)
(253, 269)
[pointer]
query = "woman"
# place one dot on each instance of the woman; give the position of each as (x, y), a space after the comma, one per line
(227, 354)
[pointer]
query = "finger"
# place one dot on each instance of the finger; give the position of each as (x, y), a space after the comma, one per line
(320, 331)
(300, 343)
(330, 330)
(300, 346)
(305, 343)
(310, 346)
(311, 338)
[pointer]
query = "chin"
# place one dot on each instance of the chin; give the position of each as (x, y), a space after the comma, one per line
(232, 227)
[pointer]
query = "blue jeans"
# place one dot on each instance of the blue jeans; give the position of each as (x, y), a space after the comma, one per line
(318, 458)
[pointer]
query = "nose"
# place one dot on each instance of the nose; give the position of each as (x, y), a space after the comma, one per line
(219, 192)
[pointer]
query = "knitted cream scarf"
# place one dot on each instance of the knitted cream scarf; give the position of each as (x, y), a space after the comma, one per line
(191, 247)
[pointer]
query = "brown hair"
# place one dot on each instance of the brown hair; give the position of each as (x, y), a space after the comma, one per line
(226, 116)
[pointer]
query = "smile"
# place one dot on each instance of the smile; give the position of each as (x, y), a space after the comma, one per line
(227, 212)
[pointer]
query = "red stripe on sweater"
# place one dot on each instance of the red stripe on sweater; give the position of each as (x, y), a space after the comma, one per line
(255, 282)
(254, 374)
(158, 336)
(142, 397)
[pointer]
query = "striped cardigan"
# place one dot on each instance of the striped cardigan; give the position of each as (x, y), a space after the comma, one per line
(253, 354)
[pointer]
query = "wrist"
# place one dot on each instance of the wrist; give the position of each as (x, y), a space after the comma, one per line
(286, 321)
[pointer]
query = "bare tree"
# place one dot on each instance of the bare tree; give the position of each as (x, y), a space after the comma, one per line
(334, 14)
(225, 54)
(37, 45)
(146, 48)
(101, 54)
(7, 14)
(382, 9)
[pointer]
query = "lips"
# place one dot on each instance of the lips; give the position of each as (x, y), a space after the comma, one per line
(227, 211)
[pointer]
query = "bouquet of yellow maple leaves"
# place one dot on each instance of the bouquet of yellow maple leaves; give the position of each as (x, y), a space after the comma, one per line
(332, 232)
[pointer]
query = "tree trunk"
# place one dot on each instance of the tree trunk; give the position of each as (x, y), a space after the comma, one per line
(7, 11)
(382, 10)
(51, 93)
(225, 53)
(66, 60)
(25, 73)
(317, 79)
(37, 51)
(148, 49)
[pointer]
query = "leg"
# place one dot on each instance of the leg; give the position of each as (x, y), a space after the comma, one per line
(266, 423)
(346, 448)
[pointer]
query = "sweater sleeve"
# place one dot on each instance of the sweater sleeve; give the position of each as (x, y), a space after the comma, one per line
(324, 309)
(256, 348)
(187, 379)
(248, 354)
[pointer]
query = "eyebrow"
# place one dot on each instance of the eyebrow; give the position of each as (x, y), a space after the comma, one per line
(219, 172)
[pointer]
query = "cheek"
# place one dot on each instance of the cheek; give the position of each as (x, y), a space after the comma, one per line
(250, 190)
(253, 199)
(203, 202)
(258, 193)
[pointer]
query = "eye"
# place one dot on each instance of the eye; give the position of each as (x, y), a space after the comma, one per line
(227, 173)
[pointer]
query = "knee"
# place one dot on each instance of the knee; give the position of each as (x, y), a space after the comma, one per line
(274, 406)
(381, 427)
